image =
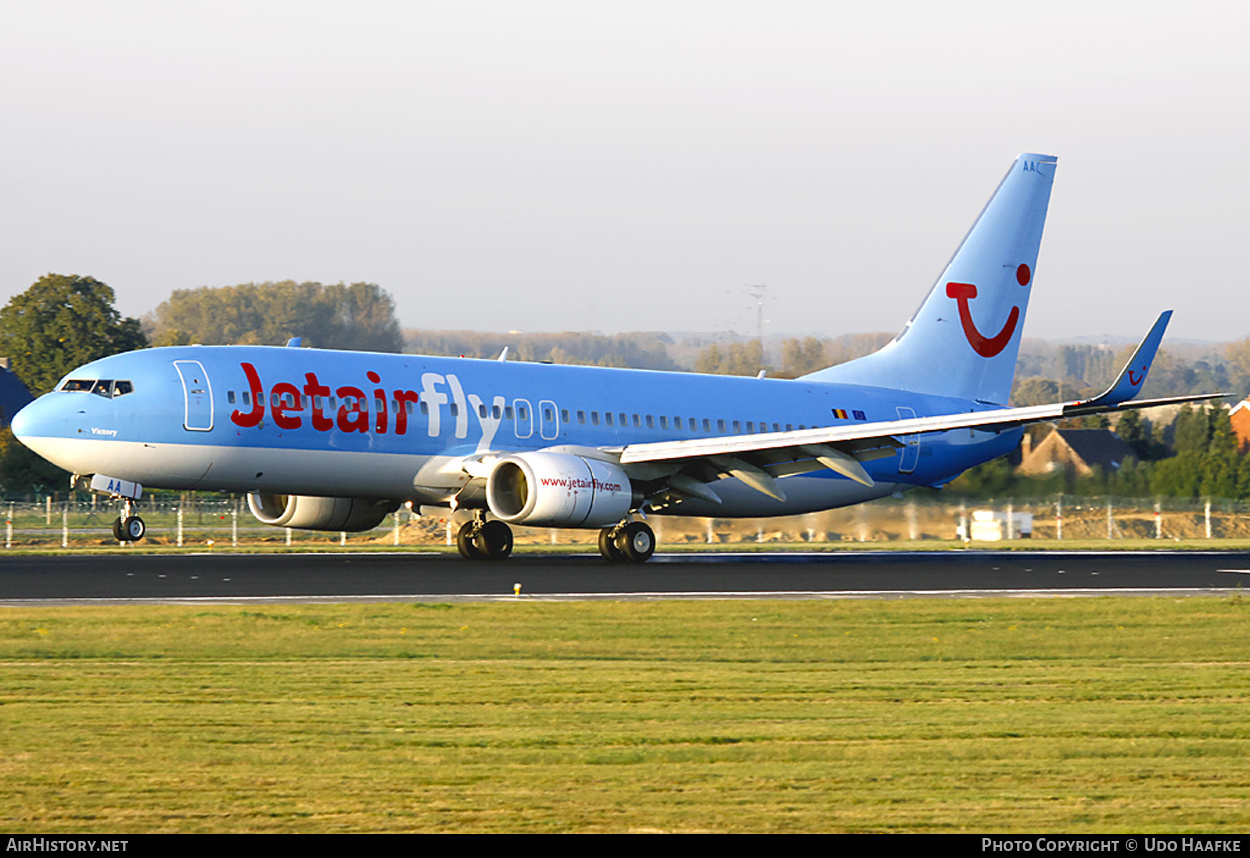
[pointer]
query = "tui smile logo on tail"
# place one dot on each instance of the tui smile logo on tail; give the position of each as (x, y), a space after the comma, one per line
(986, 347)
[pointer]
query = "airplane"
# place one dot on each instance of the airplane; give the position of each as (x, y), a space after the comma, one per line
(337, 440)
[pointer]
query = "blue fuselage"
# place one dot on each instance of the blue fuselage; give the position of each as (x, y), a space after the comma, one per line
(352, 424)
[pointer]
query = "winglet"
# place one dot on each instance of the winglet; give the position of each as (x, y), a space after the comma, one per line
(1131, 378)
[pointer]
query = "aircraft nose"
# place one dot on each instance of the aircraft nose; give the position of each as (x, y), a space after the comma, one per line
(36, 420)
(23, 422)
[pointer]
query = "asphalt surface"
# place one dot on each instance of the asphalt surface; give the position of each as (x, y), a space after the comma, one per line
(418, 576)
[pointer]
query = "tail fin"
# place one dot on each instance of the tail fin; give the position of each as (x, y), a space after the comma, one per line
(964, 339)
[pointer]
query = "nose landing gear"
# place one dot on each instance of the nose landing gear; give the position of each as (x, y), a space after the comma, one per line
(127, 527)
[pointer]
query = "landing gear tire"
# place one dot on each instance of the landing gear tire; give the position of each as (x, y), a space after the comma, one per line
(466, 543)
(636, 541)
(133, 529)
(489, 540)
(118, 533)
(494, 540)
(608, 547)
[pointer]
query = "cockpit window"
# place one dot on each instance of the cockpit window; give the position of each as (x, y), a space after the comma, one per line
(106, 387)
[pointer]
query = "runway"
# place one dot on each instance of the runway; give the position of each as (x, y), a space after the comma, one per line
(429, 576)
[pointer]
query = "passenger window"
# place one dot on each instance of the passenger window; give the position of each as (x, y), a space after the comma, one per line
(707, 425)
(720, 425)
(737, 427)
(507, 412)
(564, 415)
(607, 417)
(581, 417)
(229, 396)
(650, 421)
(663, 422)
(594, 418)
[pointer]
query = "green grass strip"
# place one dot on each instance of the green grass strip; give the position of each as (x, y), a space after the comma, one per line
(1047, 715)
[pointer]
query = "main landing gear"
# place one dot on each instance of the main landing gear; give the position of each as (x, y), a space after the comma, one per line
(128, 527)
(484, 540)
(627, 542)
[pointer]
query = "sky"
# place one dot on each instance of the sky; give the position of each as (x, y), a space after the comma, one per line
(623, 166)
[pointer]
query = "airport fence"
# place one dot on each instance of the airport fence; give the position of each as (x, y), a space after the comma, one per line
(216, 522)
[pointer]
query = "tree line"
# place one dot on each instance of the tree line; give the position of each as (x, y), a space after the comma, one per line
(329, 316)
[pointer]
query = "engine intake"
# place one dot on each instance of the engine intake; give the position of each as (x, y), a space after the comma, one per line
(316, 513)
(558, 490)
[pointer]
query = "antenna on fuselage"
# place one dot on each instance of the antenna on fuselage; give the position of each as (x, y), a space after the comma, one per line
(293, 342)
(503, 355)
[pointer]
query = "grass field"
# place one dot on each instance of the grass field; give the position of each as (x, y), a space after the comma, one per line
(1047, 715)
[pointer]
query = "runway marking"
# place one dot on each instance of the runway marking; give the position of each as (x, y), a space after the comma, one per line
(1075, 592)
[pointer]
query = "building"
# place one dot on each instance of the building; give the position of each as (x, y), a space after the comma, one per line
(1076, 451)
(13, 394)
(1240, 418)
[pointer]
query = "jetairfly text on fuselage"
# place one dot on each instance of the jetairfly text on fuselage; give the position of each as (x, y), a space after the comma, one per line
(353, 415)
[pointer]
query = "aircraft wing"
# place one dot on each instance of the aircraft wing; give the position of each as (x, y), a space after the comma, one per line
(758, 459)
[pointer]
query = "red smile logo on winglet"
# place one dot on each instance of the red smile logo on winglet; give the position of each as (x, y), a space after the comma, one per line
(985, 346)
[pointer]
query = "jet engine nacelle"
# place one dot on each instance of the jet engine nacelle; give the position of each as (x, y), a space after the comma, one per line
(316, 513)
(558, 490)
